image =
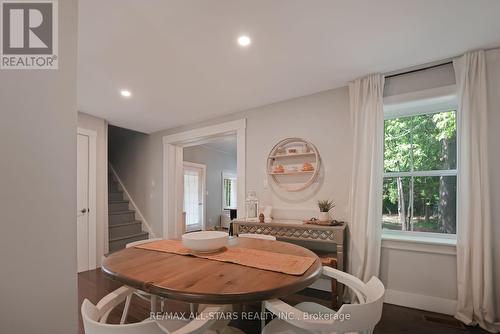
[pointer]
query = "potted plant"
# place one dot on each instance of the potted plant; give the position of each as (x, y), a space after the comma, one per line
(324, 209)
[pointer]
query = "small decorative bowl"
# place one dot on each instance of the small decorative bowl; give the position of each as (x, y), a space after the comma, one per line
(205, 241)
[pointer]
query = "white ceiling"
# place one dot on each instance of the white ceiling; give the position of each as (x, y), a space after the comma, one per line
(225, 144)
(181, 61)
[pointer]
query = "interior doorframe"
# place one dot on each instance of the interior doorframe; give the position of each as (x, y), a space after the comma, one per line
(173, 170)
(203, 167)
(92, 194)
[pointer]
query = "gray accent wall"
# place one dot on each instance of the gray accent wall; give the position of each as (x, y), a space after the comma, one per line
(131, 153)
(216, 162)
(38, 129)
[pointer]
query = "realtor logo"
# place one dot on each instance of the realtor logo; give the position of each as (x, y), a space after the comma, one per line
(29, 34)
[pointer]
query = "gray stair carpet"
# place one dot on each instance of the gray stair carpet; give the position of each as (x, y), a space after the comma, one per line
(123, 227)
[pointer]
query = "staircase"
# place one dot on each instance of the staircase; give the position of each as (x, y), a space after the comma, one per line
(123, 228)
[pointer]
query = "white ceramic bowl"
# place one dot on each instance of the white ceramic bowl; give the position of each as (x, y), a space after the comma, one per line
(205, 241)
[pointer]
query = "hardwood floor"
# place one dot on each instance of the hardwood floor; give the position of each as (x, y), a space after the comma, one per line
(93, 285)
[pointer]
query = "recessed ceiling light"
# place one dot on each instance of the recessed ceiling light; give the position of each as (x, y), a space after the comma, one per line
(244, 40)
(125, 93)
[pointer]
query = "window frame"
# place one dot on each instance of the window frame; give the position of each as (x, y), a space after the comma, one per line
(231, 176)
(418, 103)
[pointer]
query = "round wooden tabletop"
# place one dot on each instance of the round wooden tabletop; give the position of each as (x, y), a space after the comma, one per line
(197, 280)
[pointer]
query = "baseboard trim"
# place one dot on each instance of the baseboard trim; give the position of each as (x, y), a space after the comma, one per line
(137, 211)
(406, 299)
(421, 302)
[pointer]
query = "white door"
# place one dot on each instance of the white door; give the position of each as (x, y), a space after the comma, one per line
(82, 200)
(194, 188)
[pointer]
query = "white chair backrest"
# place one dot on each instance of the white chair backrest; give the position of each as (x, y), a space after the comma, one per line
(350, 317)
(365, 315)
(256, 236)
(95, 316)
(140, 242)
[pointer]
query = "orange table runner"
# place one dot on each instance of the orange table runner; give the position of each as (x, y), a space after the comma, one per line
(255, 258)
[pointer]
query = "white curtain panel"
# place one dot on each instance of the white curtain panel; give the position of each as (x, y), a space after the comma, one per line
(474, 234)
(365, 201)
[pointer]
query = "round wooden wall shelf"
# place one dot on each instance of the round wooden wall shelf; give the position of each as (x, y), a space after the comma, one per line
(293, 164)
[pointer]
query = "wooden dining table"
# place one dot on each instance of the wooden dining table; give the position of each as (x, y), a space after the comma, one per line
(202, 281)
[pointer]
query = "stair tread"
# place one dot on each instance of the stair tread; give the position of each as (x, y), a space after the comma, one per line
(129, 236)
(117, 201)
(120, 212)
(124, 224)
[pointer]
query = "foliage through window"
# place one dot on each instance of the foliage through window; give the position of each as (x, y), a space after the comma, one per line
(229, 191)
(420, 168)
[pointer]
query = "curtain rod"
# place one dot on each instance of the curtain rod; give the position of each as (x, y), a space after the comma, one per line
(418, 69)
(427, 66)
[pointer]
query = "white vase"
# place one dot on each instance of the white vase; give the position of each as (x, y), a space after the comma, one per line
(324, 216)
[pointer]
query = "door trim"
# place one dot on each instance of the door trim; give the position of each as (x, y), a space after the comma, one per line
(172, 169)
(203, 190)
(92, 194)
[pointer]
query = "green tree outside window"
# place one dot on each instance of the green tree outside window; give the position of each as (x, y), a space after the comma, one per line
(419, 190)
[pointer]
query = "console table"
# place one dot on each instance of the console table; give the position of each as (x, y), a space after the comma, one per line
(286, 230)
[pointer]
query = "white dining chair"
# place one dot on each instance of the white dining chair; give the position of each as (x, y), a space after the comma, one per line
(95, 318)
(314, 318)
(257, 236)
(152, 299)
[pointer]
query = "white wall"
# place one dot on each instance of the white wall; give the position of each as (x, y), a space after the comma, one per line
(414, 278)
(216, 162)
(428, 275)
(324, 120)
(419, 276)
(416, 275)
(434, 77)
(321, 119)
(101, 127)
(38, 280)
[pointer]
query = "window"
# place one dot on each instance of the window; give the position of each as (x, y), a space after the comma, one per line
(229, 182)
(420, 173)
(194, 199)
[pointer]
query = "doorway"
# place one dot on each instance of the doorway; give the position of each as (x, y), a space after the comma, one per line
(173, 171)
(194, 196)
(86, 199)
